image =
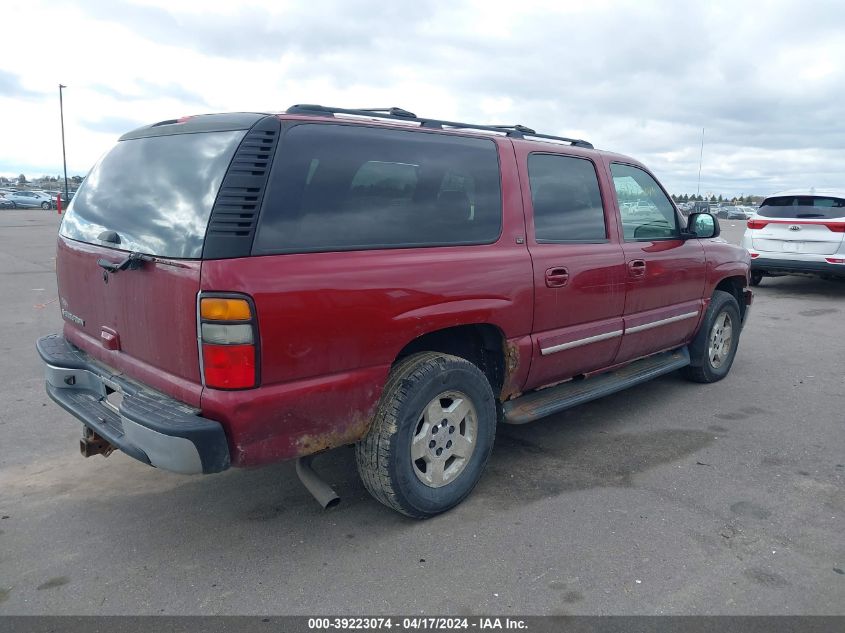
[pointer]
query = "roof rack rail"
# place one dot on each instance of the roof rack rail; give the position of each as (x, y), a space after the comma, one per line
(513, 131)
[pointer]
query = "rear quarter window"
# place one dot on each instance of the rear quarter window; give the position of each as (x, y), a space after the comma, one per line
(342, 187)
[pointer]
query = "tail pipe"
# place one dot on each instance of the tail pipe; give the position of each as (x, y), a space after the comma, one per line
(322, 492)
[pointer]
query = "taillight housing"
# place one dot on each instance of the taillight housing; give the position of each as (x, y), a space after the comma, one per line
(227, 329)
(757, 224)
(836, 227)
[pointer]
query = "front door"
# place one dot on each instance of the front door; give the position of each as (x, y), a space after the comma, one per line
(664, 273)
(579, 269)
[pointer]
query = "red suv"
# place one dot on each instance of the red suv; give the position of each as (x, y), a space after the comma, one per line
(240, 289)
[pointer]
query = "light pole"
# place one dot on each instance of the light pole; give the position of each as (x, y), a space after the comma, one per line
(64, 157)
(700, 157)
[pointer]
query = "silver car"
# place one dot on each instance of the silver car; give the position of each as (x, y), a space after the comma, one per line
(28, 200)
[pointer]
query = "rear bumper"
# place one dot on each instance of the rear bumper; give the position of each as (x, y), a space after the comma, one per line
(144, 424)
(769, 265)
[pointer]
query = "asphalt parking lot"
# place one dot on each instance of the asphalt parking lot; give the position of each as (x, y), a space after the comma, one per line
(672, 498)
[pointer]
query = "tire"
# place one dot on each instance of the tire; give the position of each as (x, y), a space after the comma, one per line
(756, 277)
(446, 403)
(710, 363)
(45, 205)
(14, 205)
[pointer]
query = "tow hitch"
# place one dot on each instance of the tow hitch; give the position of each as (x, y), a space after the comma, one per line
(93, 444)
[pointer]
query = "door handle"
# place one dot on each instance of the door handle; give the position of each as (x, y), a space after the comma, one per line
(636, 268)
(557, 277)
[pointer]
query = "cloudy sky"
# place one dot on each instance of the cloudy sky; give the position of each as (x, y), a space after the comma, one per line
(765, 79)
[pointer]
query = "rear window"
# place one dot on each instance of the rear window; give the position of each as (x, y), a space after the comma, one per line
(342, 187)
(817, 207)
(156, 193)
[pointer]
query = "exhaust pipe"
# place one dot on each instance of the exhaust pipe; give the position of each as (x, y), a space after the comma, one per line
(321, 491)
(92, 444)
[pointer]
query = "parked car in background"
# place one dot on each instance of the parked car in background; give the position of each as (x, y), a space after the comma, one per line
(66, 198)
(732, 213)
(798, 232)
(331, 281)
(5, 204)
(29, 200)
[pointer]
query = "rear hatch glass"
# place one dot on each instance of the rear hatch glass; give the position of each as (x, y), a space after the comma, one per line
(809, 225)
(155, 195)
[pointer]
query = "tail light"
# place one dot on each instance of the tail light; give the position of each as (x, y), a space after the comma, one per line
(836, 227)
(753, 255)
(228, 336)
(835, 260)
(757, 224)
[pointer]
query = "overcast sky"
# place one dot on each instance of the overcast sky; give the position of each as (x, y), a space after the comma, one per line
(766, 79)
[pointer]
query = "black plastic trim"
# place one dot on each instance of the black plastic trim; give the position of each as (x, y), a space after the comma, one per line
(763, 264)
(512, 131)
(195, 124)
(539, 404)
(234, 216)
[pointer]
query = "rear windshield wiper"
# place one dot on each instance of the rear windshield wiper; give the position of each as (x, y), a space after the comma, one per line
(133, 261)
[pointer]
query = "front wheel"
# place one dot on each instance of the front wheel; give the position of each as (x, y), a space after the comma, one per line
(431, 437)
(713, 349)
(45, 205)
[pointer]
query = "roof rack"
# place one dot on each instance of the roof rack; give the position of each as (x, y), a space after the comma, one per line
(513, 131)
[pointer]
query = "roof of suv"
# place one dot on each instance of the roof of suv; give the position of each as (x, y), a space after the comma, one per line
(810, 191)
(387, 117)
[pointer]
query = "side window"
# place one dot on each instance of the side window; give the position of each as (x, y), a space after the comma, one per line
(566, 199)
(344, 187)
(647, 214)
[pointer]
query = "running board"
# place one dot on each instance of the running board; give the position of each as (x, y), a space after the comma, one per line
(539, 404)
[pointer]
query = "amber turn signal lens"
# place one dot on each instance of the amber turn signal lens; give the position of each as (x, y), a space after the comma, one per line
(216, 309)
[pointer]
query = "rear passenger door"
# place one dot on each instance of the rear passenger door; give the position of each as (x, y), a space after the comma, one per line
(665, 274)
(579, 268)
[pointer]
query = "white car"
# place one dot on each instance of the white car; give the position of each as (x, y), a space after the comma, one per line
(798, 231)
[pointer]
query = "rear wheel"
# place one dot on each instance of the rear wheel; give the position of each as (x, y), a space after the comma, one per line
(713, 349)
(756, 277)
(431, 436)
(45, 205)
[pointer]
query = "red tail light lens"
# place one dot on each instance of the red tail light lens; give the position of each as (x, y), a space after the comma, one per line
(835, 260)
(229, 366)
(753, 255)
(757, 224)
(836, 227)
(228, 330)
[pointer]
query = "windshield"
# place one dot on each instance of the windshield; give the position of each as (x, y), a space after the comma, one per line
(156, 193)
(823, 208)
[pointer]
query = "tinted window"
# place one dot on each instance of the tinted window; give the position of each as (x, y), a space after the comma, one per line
(156, 193)
(647, 213)
(342, 187)
(824, 208)
(566, 199)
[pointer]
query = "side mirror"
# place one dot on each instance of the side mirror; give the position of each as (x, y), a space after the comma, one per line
(702, 226)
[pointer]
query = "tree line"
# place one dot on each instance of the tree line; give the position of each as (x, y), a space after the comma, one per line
(699, 198)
